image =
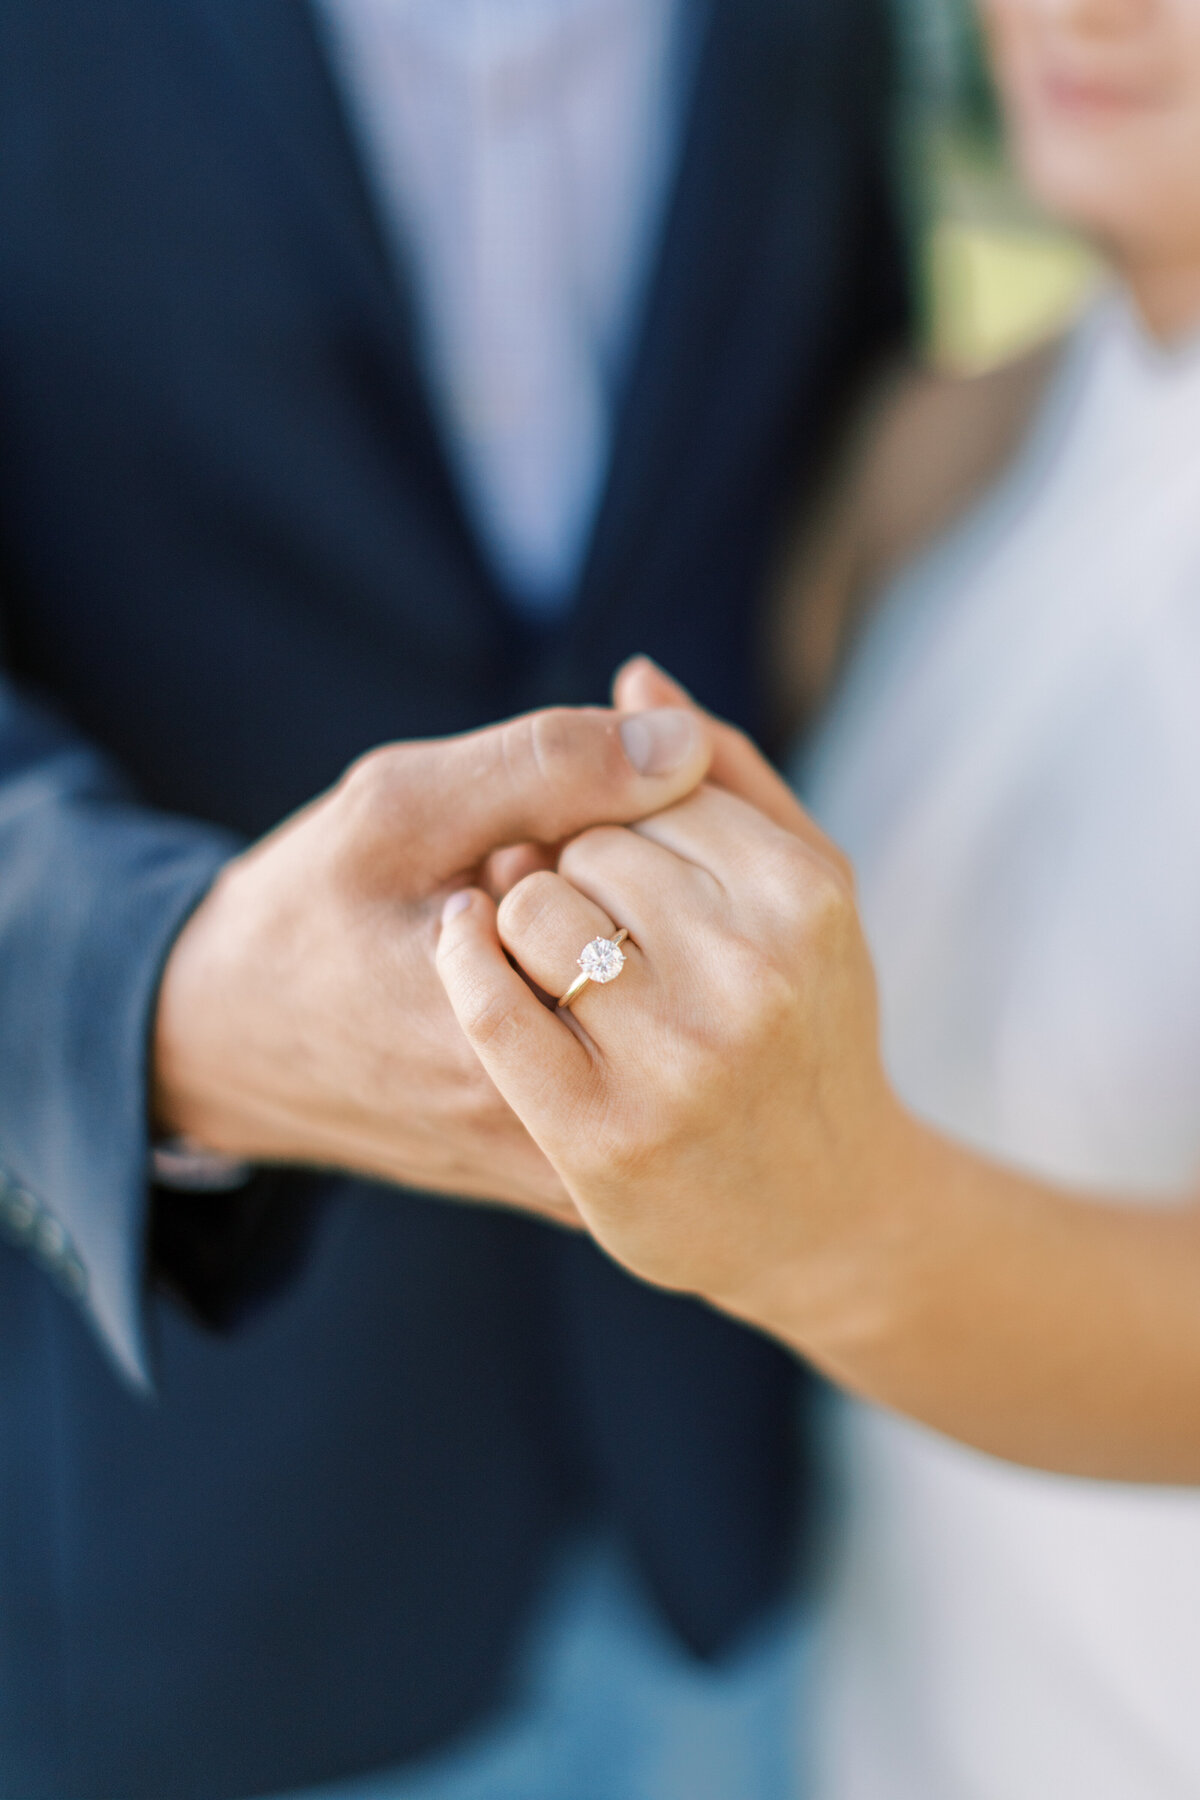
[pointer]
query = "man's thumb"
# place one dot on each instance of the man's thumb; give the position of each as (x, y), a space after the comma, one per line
(550, 775)
(734, 763)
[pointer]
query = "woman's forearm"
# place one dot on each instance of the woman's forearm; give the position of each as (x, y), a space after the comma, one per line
(1048, 1328)
(723, 1122)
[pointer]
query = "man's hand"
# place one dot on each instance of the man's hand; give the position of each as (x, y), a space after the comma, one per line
(300, 1017)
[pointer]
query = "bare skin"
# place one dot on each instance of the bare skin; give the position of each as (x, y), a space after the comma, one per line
(300, 1018)
(719, 1118)
(722, 1122)
(1101, 99)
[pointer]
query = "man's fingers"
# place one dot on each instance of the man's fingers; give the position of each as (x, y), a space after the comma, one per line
(535, 1060)
(540, 778)
(504, 868)
(736, 764)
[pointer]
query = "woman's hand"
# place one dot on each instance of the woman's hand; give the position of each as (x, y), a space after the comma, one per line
(718, 1112)
(720, 1118)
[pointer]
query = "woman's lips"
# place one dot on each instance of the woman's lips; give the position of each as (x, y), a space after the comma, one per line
(1080, 94)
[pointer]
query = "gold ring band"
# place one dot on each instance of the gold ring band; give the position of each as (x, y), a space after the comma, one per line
(600, 961)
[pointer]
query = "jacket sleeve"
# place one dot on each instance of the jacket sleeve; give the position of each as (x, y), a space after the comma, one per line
(94, 888)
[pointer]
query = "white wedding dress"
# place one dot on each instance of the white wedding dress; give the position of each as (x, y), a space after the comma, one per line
(1014, 764)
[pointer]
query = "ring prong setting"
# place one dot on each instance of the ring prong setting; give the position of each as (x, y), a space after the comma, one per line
(602, 960)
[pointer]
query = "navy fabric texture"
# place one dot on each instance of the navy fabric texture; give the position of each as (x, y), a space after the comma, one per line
(232, 559)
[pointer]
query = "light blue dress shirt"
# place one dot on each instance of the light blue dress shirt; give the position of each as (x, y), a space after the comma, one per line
(521, 152)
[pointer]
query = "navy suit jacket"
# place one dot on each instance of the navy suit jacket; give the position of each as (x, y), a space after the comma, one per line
(232, 559)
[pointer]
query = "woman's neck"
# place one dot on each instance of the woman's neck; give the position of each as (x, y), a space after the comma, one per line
(1166, 294)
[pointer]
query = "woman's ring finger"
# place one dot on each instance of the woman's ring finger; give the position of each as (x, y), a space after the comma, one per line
(600, 960)
(562, 940)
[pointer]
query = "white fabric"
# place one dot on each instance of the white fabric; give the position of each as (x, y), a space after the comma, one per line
(1014, 764)
(520, 151)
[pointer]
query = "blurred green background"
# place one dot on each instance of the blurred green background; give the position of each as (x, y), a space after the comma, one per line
(996, 275)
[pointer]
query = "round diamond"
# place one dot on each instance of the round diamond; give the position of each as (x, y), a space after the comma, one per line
(602, 961)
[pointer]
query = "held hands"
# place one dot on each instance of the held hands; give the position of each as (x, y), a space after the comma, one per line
(709, 1115)
(300, 1017)
(718, 1116)
(719, 1112)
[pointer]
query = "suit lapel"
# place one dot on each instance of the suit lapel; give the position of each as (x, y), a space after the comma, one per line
(273, 51)
(705, 359)
(272, 48)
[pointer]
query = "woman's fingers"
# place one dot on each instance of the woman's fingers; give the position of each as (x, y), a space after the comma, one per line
(736, 765)
(751, 859)
(639, 883)
(544, 924)
(534, 1058)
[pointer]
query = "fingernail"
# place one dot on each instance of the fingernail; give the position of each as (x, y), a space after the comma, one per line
(659, 742)
(457, 903)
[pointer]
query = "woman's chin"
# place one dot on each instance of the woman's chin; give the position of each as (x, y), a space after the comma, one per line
(1115, 179)
(1089, 193)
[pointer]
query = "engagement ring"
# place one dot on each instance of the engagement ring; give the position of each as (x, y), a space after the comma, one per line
(602, 960)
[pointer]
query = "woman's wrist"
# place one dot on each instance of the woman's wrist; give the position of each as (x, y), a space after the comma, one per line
(837, 1291)
(1046, 1327)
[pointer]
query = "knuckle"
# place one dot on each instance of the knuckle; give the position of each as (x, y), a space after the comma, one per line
(553, 736)
(371, 780)
(839, 866)
(773, 997)
(788, 867)
(828, 911)
(487, 1015)
(494, 1024)
(565, 744)
(525, 908)
(590, 850)
(809, 936)
(804, 884)
(760, 980)
(362, 802)
(845, 869)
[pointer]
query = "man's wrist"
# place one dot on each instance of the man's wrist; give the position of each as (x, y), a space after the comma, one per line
(191, 1044)
(186, 1167)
